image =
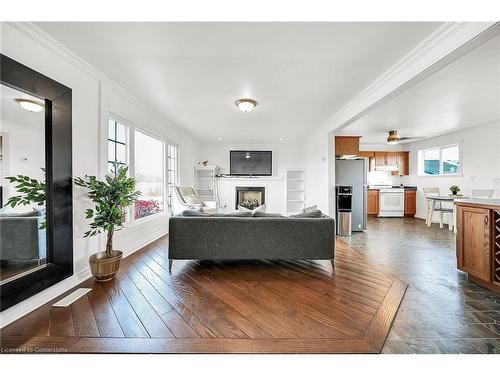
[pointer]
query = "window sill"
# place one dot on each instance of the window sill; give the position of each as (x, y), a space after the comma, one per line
(441, 175)
(146, 219)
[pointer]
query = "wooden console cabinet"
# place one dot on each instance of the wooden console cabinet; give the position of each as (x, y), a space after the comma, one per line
(478, 240)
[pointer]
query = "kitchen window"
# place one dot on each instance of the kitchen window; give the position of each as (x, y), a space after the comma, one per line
(440, 161)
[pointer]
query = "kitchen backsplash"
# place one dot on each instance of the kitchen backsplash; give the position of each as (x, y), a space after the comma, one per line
(383, 178)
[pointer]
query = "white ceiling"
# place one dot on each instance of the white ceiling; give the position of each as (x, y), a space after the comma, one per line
(12, 112)
(191, 73)
(464, 94)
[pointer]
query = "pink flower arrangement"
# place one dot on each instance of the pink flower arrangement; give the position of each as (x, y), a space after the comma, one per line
(144, 208)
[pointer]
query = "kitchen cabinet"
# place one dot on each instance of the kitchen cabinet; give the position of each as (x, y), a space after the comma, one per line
(404, 163)
(346, 145)
(372, 203)
(474, 241)
(400, 160)
(380, 160)
(410, 202)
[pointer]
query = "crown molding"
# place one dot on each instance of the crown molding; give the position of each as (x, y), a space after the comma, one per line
(446, 44)
(37, 34)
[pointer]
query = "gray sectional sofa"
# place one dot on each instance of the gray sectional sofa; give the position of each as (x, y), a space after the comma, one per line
(221, 237)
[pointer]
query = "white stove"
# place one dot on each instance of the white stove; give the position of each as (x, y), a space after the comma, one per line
(391, 202)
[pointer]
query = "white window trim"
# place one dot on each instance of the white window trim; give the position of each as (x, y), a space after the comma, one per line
(164, 212)
(420, 166)
(131, 128)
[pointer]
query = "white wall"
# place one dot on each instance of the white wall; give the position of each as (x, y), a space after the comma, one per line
(480, 162)
(93, 101)
(318, 164)
(285, 156)
(24, 153)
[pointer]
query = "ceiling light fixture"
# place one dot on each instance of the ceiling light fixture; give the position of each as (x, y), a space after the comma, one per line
(30, 105)
(393, 138)
(245, 105)
(219, 138)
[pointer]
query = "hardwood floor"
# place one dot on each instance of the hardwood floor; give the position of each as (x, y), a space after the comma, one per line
(442, 311)
(220, 307)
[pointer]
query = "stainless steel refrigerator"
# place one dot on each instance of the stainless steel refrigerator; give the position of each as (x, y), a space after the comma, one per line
(354, 172)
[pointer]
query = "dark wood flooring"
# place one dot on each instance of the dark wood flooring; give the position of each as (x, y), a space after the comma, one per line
(221, 307)
(442, 312)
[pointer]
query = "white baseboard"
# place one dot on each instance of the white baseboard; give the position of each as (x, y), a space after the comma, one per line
(39, 299)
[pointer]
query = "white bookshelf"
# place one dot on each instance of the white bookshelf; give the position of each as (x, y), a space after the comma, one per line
(295, 190)
(204, 182)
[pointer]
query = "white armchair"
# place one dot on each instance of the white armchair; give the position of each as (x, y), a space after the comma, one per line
(185, 198)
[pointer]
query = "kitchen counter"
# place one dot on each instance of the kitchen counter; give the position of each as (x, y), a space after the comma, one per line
(395, 187)
(479, 202)
(478, 225)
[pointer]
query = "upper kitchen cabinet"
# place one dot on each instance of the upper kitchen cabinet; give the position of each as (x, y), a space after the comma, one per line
(346, 146)
(399, 161)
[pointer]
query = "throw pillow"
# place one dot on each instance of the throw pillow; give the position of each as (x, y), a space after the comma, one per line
(312, 214)
(233, 214)
(258, 209)
(265, 214)
(193, 213)
(310, 209)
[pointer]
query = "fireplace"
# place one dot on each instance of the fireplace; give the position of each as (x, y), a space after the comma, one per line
(250, 197)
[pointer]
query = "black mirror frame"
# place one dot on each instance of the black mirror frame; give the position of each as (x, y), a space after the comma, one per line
(58, 164)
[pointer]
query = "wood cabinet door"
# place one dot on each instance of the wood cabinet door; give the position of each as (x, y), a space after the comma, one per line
(474, 241)
(410, 202)
(392, 158)
(380, 159)
(404, 163)
(372, 204)
(346, 145)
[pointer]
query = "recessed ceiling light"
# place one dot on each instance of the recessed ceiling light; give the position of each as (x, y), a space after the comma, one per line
(281, 139)
(219, 138)
(245, 105)
(30, 105)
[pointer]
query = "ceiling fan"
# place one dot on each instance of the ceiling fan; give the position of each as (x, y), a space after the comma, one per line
(394, 138)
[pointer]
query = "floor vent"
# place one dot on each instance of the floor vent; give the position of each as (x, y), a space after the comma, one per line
(69, 299)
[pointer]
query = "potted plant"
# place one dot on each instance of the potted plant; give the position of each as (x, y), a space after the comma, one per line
(111, 196)
(454, 190)
(32, 193)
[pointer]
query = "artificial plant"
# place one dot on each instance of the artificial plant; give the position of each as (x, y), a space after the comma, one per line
(111, 197)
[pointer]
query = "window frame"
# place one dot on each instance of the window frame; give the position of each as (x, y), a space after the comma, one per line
(164, 171)
(175, 170)
(130, 155)
(421, 161)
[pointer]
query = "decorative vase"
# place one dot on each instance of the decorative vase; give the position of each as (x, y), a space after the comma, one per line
(104, 268)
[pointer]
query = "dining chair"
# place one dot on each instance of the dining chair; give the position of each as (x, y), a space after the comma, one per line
(482, 193)
(436, 206)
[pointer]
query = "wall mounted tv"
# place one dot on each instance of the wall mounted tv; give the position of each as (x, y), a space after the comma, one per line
(251, 163)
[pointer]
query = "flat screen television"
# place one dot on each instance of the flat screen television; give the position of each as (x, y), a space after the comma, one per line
(251, 163)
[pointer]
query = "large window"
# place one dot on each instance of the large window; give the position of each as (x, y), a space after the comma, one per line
(149, 174)
(117, 144)
(172, 170)
(440, 161)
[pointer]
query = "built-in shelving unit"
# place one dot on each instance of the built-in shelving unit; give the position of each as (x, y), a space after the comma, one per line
(295, 190)
(204, 182)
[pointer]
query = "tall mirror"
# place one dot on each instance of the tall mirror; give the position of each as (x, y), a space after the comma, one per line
(36, 212)
(23, 224)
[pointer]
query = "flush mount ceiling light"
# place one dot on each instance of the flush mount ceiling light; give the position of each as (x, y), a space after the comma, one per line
(245, 105)
(30, 105)
(393, 138)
